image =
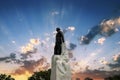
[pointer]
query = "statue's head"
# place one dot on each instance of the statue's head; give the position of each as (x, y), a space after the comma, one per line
(57, 29)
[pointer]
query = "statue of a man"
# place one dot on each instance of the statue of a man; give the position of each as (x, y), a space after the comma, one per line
(59, 41)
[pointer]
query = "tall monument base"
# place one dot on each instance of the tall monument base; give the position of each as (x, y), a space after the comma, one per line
(60, 69)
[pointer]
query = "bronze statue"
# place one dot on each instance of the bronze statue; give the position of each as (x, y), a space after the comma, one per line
(59, 41)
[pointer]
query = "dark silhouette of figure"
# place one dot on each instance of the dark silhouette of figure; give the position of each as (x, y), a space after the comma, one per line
(59, 41)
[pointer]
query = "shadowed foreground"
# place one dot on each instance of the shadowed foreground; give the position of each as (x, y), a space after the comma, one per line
(45, 75)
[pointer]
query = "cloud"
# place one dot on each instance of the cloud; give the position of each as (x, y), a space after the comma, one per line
(29, 57)
(27, 48)
(70, 28)
(72, 47)
(87, 68)
(103, 61)
(30, 46)
(119, 42)
(93, 54)
(43, 43)
(35, 41)
(105, 28)
(54, 33)
(85, 71)
(116, 57)
(116, 29)
(116, 64)
(4, 58)
(91, 34)
(75, 67)
(47, 38)
(55, 13)
(101, 68)
(13, 42)
(101, 40)
(28, 53)
(96, 74)
(110, 26)
(31, 66)
(26, 62)
(79, 66)
(25, 53)
(12, 56)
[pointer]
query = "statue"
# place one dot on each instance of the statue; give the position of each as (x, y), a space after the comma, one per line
(60, 69)
(59, 41)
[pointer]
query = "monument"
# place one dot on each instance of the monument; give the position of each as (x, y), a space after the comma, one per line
(60, 69)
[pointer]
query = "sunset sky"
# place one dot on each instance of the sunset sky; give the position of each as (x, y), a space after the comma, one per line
(91, 31)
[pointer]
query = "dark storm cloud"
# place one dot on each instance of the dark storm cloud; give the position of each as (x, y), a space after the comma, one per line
(32, 65)
(26, 64)
(12, 56)
(105, 28)
(116, 63)
(101, 68)
(91, 34)
(3, 58)
(72, 46)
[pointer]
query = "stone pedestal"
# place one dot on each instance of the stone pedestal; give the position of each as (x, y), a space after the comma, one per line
(60, 69)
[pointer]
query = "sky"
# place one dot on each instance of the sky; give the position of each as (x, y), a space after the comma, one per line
(90, 27)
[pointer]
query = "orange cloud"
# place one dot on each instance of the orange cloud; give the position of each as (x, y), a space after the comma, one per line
(35, 41)
(32, 66)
